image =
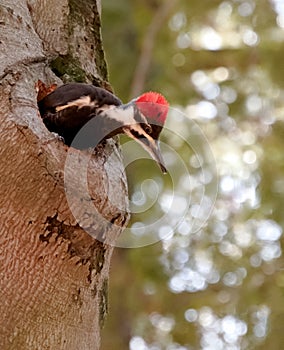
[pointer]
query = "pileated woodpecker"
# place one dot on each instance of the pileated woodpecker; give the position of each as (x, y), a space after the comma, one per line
(84, 115)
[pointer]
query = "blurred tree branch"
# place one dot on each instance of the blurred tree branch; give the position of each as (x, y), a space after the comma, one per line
(142, 67)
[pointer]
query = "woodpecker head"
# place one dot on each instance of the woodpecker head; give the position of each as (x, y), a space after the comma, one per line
(150, 113)
(155, 108)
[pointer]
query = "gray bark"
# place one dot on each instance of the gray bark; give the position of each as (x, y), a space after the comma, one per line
(53, 274)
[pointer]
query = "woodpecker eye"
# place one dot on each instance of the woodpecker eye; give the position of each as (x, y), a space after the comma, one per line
(148, 128)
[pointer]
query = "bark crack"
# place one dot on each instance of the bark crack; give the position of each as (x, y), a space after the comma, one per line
(80, 244)
(16, 68)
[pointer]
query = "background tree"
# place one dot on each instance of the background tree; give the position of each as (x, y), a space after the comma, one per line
(220, 63)
(54, 275)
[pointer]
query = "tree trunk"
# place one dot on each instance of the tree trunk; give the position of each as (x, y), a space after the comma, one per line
(58, 227)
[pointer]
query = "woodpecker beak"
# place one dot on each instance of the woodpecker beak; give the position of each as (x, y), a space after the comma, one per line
(137, 133)
(154, 149)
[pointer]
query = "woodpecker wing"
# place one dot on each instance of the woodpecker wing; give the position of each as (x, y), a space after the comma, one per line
(77, 94)
(68, 108)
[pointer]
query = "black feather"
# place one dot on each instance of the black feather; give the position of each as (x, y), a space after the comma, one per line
(68, 121)
(74, 91)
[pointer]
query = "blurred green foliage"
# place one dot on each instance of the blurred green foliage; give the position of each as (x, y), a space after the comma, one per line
(220, 64)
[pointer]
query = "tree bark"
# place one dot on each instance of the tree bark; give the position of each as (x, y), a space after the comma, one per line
(56, 240)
